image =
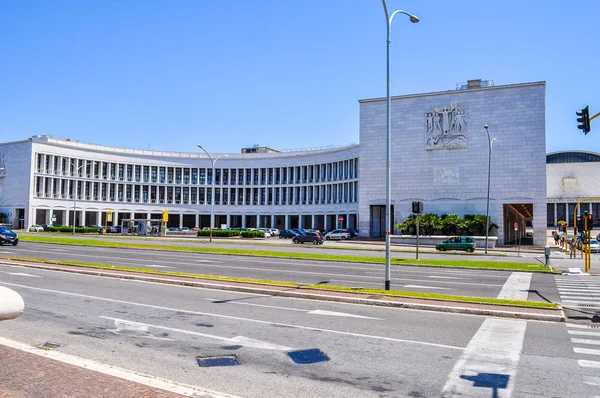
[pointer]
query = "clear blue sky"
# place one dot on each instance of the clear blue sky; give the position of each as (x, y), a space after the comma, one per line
(288, 74)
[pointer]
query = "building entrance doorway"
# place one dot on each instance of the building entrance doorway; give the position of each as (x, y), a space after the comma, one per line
(378, 221)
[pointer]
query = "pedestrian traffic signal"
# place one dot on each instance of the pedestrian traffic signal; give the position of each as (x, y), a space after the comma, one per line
(584, 120)
(165, 216)
(417, 207)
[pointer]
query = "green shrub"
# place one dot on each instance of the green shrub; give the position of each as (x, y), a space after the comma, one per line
(221, 233)
(253, 234)
(79, 230)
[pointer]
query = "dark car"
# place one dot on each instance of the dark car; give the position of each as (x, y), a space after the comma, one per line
(466, 243)
(286, 234)
(313, 237)
(8, 236)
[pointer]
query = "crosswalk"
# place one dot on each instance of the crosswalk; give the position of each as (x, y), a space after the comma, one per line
(586, 341)
(580, 291)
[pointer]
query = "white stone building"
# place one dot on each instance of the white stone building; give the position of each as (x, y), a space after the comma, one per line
(572, 176)
(440, 156)
(45, 176)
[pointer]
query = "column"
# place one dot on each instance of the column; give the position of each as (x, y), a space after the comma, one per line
(67, 217)
(148, 216)
(300, 221)
(337, 222)
(555, 214)
(197, 221)
(326, 222)
(258, 223)
(228, 221)
(348, 221)
(312, 221)
(273, 221)
(99, 218)
(48, 216)
(82, 219)
(180, 220)
(287, 221)
(243, 221)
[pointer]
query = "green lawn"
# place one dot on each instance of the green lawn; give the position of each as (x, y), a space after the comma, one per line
(510, 266)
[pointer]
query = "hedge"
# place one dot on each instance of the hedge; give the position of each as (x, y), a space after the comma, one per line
(253, 234)
(222, 233)
(80, 230)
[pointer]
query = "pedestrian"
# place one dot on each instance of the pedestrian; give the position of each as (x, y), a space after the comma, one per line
(556, 239)
(572, 248)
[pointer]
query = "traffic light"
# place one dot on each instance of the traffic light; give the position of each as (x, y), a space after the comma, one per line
(417, 207)
(579, 224)
(584, 120)
(165, 215)
(590, 222)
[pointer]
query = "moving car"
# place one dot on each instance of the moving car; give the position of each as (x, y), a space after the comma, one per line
(36, 228)
(466, 243)
(8, 236)
(313, 237)
(341, 234)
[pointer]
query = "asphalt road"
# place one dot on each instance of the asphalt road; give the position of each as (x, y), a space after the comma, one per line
(464, 282)
(161, 330)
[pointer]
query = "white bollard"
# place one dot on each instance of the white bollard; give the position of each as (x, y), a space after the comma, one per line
(11, 304)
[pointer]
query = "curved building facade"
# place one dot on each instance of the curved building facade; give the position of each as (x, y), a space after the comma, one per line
(47, 177)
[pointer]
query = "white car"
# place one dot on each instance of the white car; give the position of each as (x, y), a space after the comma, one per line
(341, 234)
(36, 228)
(274, 231)
(266, 231)
(594, 246)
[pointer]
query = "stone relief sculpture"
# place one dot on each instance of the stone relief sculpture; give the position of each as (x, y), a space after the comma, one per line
(2, 164)
(446, 128)
(446, 174)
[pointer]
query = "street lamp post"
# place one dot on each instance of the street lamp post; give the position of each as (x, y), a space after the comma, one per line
(212, 196)
(388, 175)
(487, 211)
(75, 192)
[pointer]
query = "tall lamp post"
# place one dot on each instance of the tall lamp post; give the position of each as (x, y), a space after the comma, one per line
(487, 211)
(75, 192)
(388, 175)
(212, 196)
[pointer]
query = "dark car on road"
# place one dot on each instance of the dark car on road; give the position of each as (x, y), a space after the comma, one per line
(466, 243)
(286, 234)
(8, 236)
(313, 237)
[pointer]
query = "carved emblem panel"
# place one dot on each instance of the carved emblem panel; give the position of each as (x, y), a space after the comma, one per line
(446, 128)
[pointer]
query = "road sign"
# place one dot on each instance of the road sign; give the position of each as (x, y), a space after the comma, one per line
(516, 226)
(341, 218)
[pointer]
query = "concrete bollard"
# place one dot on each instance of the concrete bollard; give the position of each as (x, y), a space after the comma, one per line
(11, 304)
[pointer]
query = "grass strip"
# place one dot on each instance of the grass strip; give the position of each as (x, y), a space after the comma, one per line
(391, 293)
(506, 266)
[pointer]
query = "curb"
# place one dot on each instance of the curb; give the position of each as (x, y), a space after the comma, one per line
(309, 259)
(422, 304)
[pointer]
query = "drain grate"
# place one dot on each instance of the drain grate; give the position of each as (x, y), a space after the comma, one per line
(589, 305)
(312, 355)
(223, 360)
(48, 346)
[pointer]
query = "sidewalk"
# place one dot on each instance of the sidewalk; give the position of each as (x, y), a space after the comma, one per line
(32, 372)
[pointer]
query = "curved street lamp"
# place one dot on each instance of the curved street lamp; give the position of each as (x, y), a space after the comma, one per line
(388, 175)
(487, 211)
(212, 183)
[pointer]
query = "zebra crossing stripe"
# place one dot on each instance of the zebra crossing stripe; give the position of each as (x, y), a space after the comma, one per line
(589, 364)
(585, 341)
(580, 333)
(588, 351)
(577, 326)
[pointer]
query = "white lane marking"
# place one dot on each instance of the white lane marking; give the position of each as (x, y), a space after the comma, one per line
(237, 318)
(238, 340)
(426, 287)
(580, 333)
(107, 369)
(356, 282)
(588, 351)
(312, 312)
(516, 286)
(158, 266)
(574, 271)
(581, 301)
(592, 381)
(577, 326)
(444, 277)
(585, 341)
(589, 364)
(495, 348)
(21, 274)
(579, 290)
(134, 329)
(592, 297)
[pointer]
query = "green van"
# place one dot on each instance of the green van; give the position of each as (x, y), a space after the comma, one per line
(466, 243)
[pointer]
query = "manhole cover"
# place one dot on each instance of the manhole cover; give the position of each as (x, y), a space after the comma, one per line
(48, 346)
(224, 360)
(312, 355)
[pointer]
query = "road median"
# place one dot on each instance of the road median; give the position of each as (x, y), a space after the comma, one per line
(410, 300)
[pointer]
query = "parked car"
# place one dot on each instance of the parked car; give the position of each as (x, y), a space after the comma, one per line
(287, 233)
(266, 231)
(594, 246)
(8, 236)
(353, 233)
(466, 243)
(36, 228)
(274, 231)
(299, 231)
(308, 237)
(341, 234)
